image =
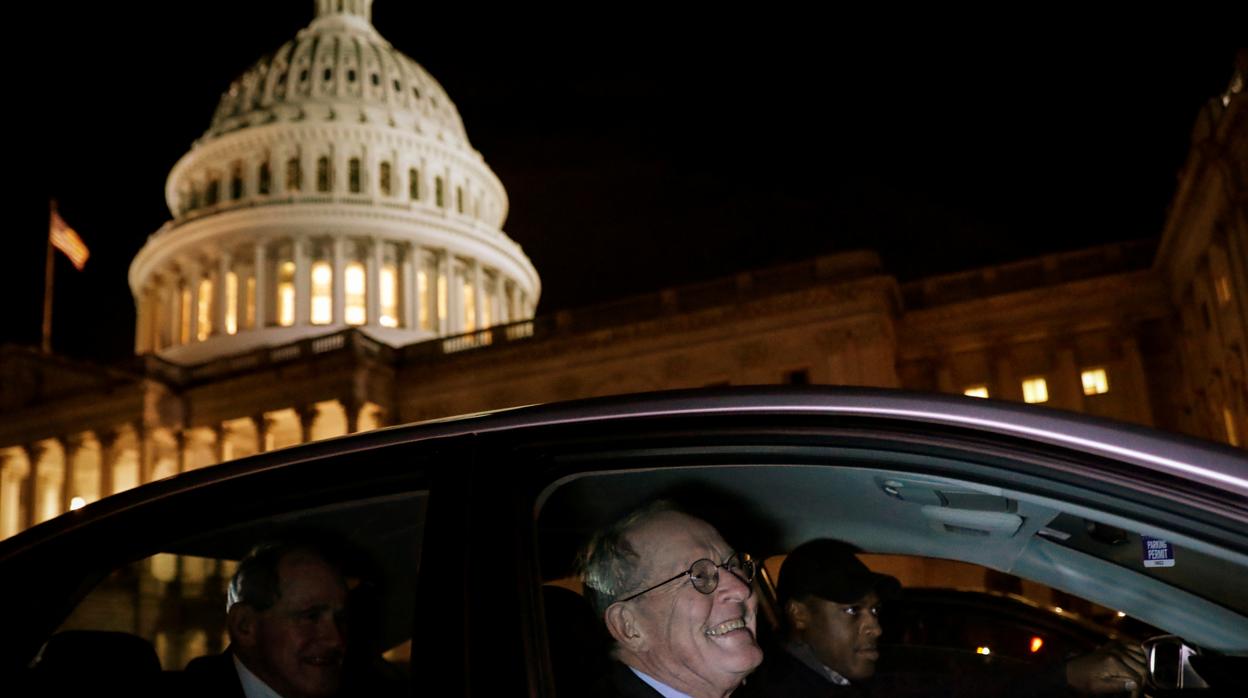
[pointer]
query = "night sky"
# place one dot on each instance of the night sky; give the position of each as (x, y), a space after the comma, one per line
(639, 150)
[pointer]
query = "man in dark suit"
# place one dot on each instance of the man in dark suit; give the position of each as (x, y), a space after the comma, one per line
(678, 603)
(286, 609)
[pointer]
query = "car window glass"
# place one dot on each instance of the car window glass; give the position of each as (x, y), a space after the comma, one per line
(176, 599)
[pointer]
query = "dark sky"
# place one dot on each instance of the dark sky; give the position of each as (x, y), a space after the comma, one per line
(640, 150)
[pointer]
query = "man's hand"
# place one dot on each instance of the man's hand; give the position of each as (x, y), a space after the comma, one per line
(1114, 668)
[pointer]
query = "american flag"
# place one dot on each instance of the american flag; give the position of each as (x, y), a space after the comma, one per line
(66, 240)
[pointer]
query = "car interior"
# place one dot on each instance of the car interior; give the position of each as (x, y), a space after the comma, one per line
(943, 535)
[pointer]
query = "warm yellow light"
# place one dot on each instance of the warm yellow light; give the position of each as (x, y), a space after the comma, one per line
(1232, 432)
(184, 316)
(422, 298)
(1121, 614)
(487, 307)
(388, 295)
(77, 503)
(322, 293)
(231, 303)
(976, 391)
(442, 295)
(1057, 609)
(1223, 287)
(470, 307)
(1036, 643)
(286, 294)
(204, 310)
(354, 283)
(982, 650)
(1035, 390)
(1095, 381)
(250, 320)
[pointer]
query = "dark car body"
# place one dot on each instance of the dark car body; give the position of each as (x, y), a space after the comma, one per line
(467, 519)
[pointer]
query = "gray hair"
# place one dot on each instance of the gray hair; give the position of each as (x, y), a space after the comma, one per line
(609, 564)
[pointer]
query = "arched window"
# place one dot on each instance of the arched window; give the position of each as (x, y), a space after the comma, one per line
(383, 179)
(354, 285)
(294, 175)
(413, 184)
(204, 309)
(213, 192)
(322, 174)
(439, 196)
(353, 172)
(459, 199)
(263, 178)
(322, 282)
(236, 182)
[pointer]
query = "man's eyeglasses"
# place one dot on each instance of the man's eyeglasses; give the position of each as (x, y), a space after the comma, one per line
(704, 574)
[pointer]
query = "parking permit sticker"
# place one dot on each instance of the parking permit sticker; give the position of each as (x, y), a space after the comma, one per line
(1157, 552)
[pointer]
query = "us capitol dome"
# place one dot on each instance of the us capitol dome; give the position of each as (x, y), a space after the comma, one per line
(336, 187)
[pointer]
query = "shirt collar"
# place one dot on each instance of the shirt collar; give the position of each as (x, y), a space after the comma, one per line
(663, 689)
(253, 686)
(804, 654)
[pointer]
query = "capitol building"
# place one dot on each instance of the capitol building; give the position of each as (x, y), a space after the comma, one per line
(336, 261)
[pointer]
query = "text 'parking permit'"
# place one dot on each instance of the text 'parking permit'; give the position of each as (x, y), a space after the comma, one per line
(1157, 552)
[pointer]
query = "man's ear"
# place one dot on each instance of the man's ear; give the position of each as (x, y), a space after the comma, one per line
(622, 624)
(798, 614)
(242, 620)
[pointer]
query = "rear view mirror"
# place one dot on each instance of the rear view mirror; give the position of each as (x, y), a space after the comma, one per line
(1170, 664)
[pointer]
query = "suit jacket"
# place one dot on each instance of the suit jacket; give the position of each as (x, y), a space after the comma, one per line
(212, 675)
(782, 675)
(621, 682)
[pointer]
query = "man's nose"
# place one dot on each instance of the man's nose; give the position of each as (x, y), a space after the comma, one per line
(870, 626)
(732, 585)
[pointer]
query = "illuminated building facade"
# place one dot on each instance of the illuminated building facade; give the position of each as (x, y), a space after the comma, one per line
(336, 262)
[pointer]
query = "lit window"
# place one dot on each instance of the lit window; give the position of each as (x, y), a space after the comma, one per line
(1223, 287)
(1232, 433)
(250, 320)
(204, 310)
(487, 305)
(1095, 382)
(470, 306)
(286, 294)
(322, 293)
(353, 285)
(231, 303)
(184, 315)
(1035, 390)
(976, 391)
(388, 295)
(422, 300)
(442, 294)
(384, 179)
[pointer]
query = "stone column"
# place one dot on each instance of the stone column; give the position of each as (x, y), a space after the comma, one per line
(219, 294)
(340, 287)
(1136, 379)
(261, 275)
(180, 438)
(372, 291)
(441, 284)
(303, 281)
(143, 321)
(407, 286)
(30, 488)
(478, 293)
(307, 418)
(219, 434)
(1007, 387)
(1067, 389)
(193, 278)
(108, 459)
(145, 460)
(261, 423)
(351, 408)
(454, 298)
(70, 445)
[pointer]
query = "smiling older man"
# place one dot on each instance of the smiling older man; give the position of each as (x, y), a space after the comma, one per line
(677, 601)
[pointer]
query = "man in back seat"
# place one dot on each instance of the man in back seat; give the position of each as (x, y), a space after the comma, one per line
(287, 610)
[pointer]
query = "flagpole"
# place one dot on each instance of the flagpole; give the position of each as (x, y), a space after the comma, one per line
(47, 285)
